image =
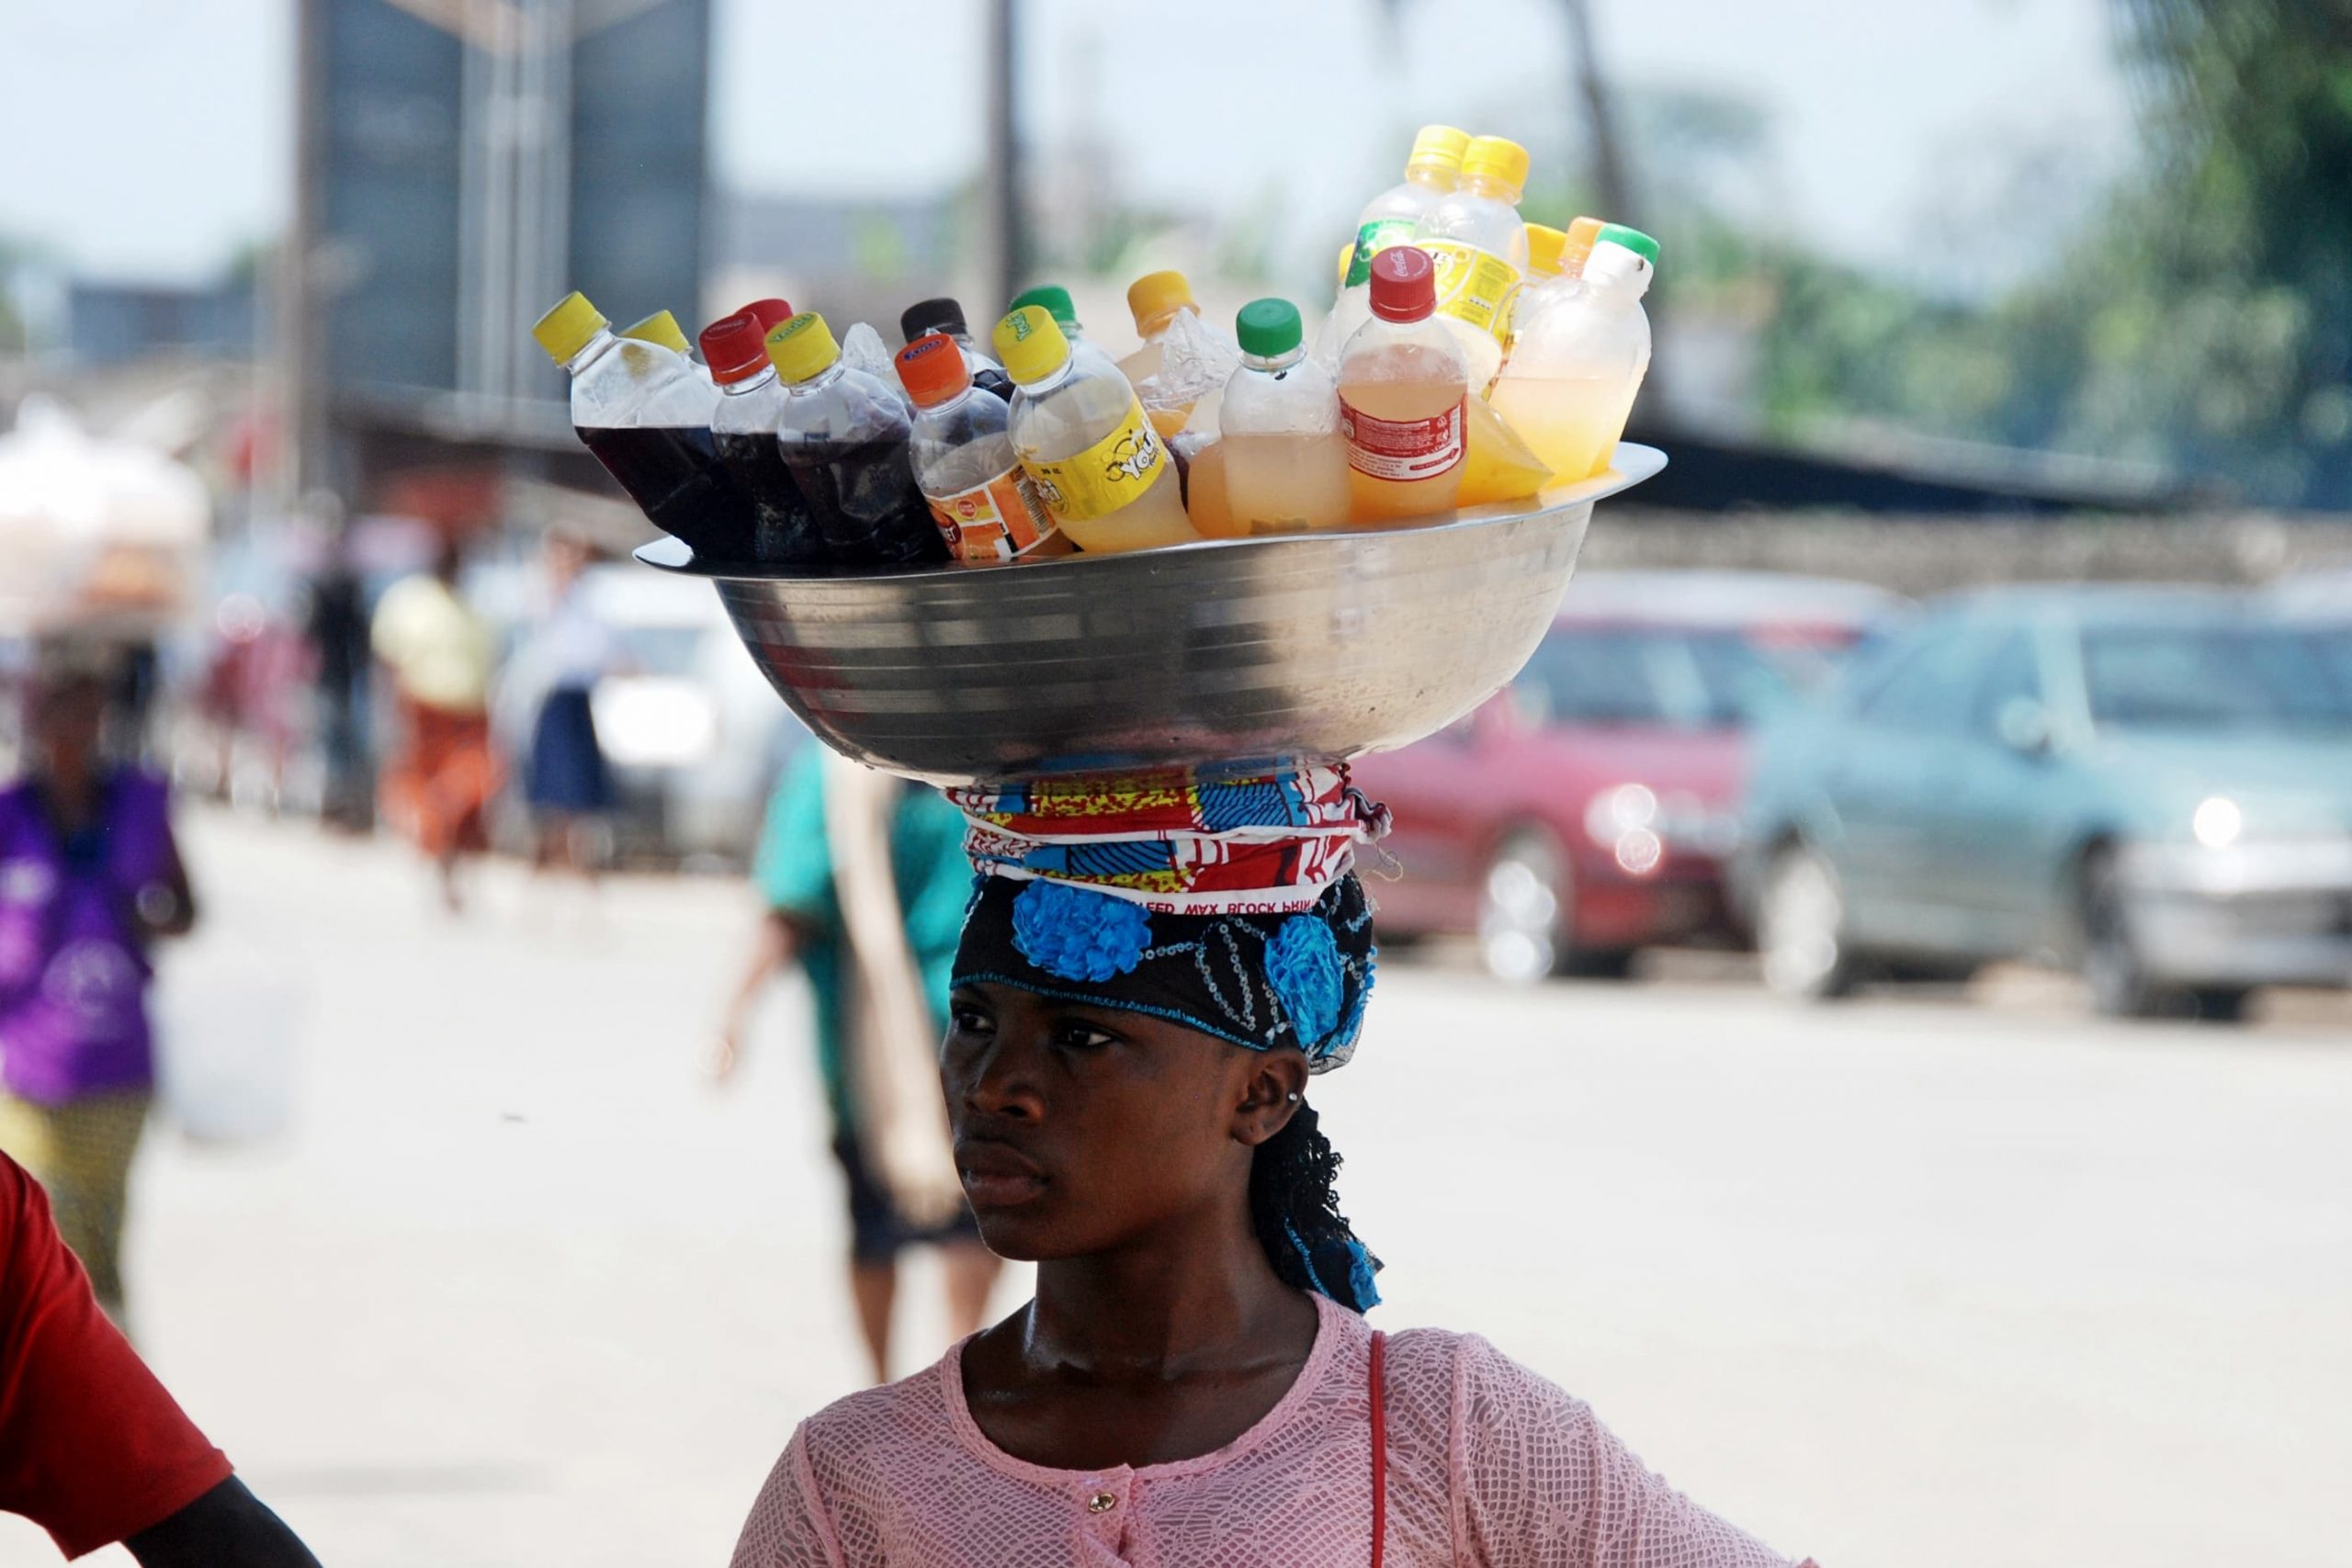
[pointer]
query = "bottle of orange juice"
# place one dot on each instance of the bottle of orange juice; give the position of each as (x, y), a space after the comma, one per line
(1402, 382)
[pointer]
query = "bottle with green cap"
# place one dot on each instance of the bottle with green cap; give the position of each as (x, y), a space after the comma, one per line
(1577, 362)
(1431, 170)
(844, 436)
(1479, 244)
(644, 410)
(1285, 462)
(1083, 438)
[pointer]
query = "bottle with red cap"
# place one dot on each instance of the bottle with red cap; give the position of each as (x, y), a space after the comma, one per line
(784, 531)
(965, 463)
(1402, 382)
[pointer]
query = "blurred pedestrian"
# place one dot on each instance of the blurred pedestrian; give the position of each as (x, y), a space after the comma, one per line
(440, 653)
(92, 1448)
(90, 877)
(337, 627)
(566, 781)
(866, 881)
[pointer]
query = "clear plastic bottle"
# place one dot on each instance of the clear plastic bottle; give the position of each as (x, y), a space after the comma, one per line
(1431, 170)
(1156, 299)
(1402, 382)
(1575, 370)
(1080, 433)
(1053, 299)
(645, 412)
(844, 436)
(662, 328)
(743, 428)
(986, 508)
(945, 315)
(1285, 464)
(1479, 244)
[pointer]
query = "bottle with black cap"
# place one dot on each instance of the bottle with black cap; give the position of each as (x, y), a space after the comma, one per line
(945, 315)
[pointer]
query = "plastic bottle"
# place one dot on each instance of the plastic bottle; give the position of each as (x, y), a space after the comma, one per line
(1402, 382)
(1082, 437)
(1285, 464)
(1156, 299)
(784, 531)
(645, 412)
(985, 506)
(662, 328)
(1555, 270)
(1572, 377)
(1476, 238)
(845, 436)
(945, 315)
(1431, 170)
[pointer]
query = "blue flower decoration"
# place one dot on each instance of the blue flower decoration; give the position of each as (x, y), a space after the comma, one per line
(1361, 1268)
(1078, 934)
(1303, 964)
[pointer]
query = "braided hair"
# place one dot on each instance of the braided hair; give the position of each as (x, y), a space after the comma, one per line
(1294, 1207)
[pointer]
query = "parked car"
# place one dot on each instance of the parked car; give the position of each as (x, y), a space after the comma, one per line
(1586, 812)
(2154, 785)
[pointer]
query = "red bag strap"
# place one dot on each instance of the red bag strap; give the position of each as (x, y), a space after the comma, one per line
(1379, 1447)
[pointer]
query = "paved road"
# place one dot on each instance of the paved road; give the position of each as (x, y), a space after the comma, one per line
(1911, 1281)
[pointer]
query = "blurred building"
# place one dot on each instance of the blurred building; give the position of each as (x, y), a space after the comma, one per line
(116, 324)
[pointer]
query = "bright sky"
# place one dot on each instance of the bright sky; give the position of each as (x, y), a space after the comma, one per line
(151, 138)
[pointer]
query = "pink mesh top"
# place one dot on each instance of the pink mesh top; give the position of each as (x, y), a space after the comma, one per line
(1489, 1464)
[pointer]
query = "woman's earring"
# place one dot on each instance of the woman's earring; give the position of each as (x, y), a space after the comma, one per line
(1292, 1098)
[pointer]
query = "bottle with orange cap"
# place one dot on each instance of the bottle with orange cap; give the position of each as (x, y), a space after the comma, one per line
(743, 428)
(844, 434)
(1156, 300)
(962, 446)
(1480, 245)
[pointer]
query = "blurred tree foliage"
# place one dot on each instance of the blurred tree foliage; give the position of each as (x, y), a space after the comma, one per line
(2203, 321)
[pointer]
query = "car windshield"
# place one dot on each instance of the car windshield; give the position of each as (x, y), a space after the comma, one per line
(1674, 677)
(2218, 677)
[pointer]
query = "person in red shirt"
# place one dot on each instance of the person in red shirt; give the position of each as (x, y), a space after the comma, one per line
(91, 1447)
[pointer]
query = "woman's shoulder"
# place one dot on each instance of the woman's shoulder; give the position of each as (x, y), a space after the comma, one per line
(913, 1410)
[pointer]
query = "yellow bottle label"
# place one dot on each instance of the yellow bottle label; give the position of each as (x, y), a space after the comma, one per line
(994, 522)
(1106, 475)
(1473, 286)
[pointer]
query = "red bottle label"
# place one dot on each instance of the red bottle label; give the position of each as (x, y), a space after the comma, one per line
(1403, 449)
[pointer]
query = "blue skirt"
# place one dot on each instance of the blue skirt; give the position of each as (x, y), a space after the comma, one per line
(567, 771)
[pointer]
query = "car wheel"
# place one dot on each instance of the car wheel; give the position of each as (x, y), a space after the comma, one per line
(1801, 928)
(2220, 1004)
(2120, 984)
(1521, 925)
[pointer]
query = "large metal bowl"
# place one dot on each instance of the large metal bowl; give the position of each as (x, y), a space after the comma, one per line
(1223, 656)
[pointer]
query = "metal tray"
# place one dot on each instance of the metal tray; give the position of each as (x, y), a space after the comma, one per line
(1224, 657)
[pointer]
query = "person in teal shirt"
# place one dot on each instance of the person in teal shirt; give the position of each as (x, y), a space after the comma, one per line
(794, 873)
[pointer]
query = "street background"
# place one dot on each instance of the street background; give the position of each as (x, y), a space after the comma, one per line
(1913, 1283)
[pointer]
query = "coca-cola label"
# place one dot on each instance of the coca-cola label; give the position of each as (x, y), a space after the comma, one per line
(1402, 449)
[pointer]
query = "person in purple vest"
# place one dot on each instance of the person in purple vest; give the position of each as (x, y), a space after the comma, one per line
(90, 878)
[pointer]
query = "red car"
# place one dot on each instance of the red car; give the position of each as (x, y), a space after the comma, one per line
(1587, 811)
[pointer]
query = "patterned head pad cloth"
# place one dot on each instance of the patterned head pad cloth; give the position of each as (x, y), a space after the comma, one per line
(1231, 907)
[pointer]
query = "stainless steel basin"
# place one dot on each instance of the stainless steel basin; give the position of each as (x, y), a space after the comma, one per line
(1222, 656)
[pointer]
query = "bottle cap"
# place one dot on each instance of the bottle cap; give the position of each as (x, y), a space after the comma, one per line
(662, 328)
(940, 315)
(1268, 329)
(802, 346)
(769, 313)
(1030, 343)
(1498, 159)
(1054, 297)
(932, 369)
(735, 347)
(1403, 283)
(1155, 296)
(565, 330)
(1437, 146)
(1347, 260)
(1581, 235)
(1544, 246)
(1633, 239)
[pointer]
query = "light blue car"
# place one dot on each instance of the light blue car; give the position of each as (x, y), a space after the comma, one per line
(2153, 785)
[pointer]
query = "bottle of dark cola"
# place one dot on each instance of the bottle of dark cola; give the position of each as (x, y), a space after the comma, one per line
(645, 412)
(784, 532)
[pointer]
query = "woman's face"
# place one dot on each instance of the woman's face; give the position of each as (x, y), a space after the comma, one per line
(1082, 1129)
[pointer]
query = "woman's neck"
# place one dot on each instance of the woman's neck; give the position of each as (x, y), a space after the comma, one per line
(1202, 1297)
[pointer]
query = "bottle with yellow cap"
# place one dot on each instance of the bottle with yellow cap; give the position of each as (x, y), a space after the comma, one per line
(844, 436)
(1083, 438)
(1156, 300)
(1479, 244)
(1555, 271)
(1431, 170)
(645, 411)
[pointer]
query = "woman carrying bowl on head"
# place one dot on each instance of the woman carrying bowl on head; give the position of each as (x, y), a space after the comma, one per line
(1149, 977)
